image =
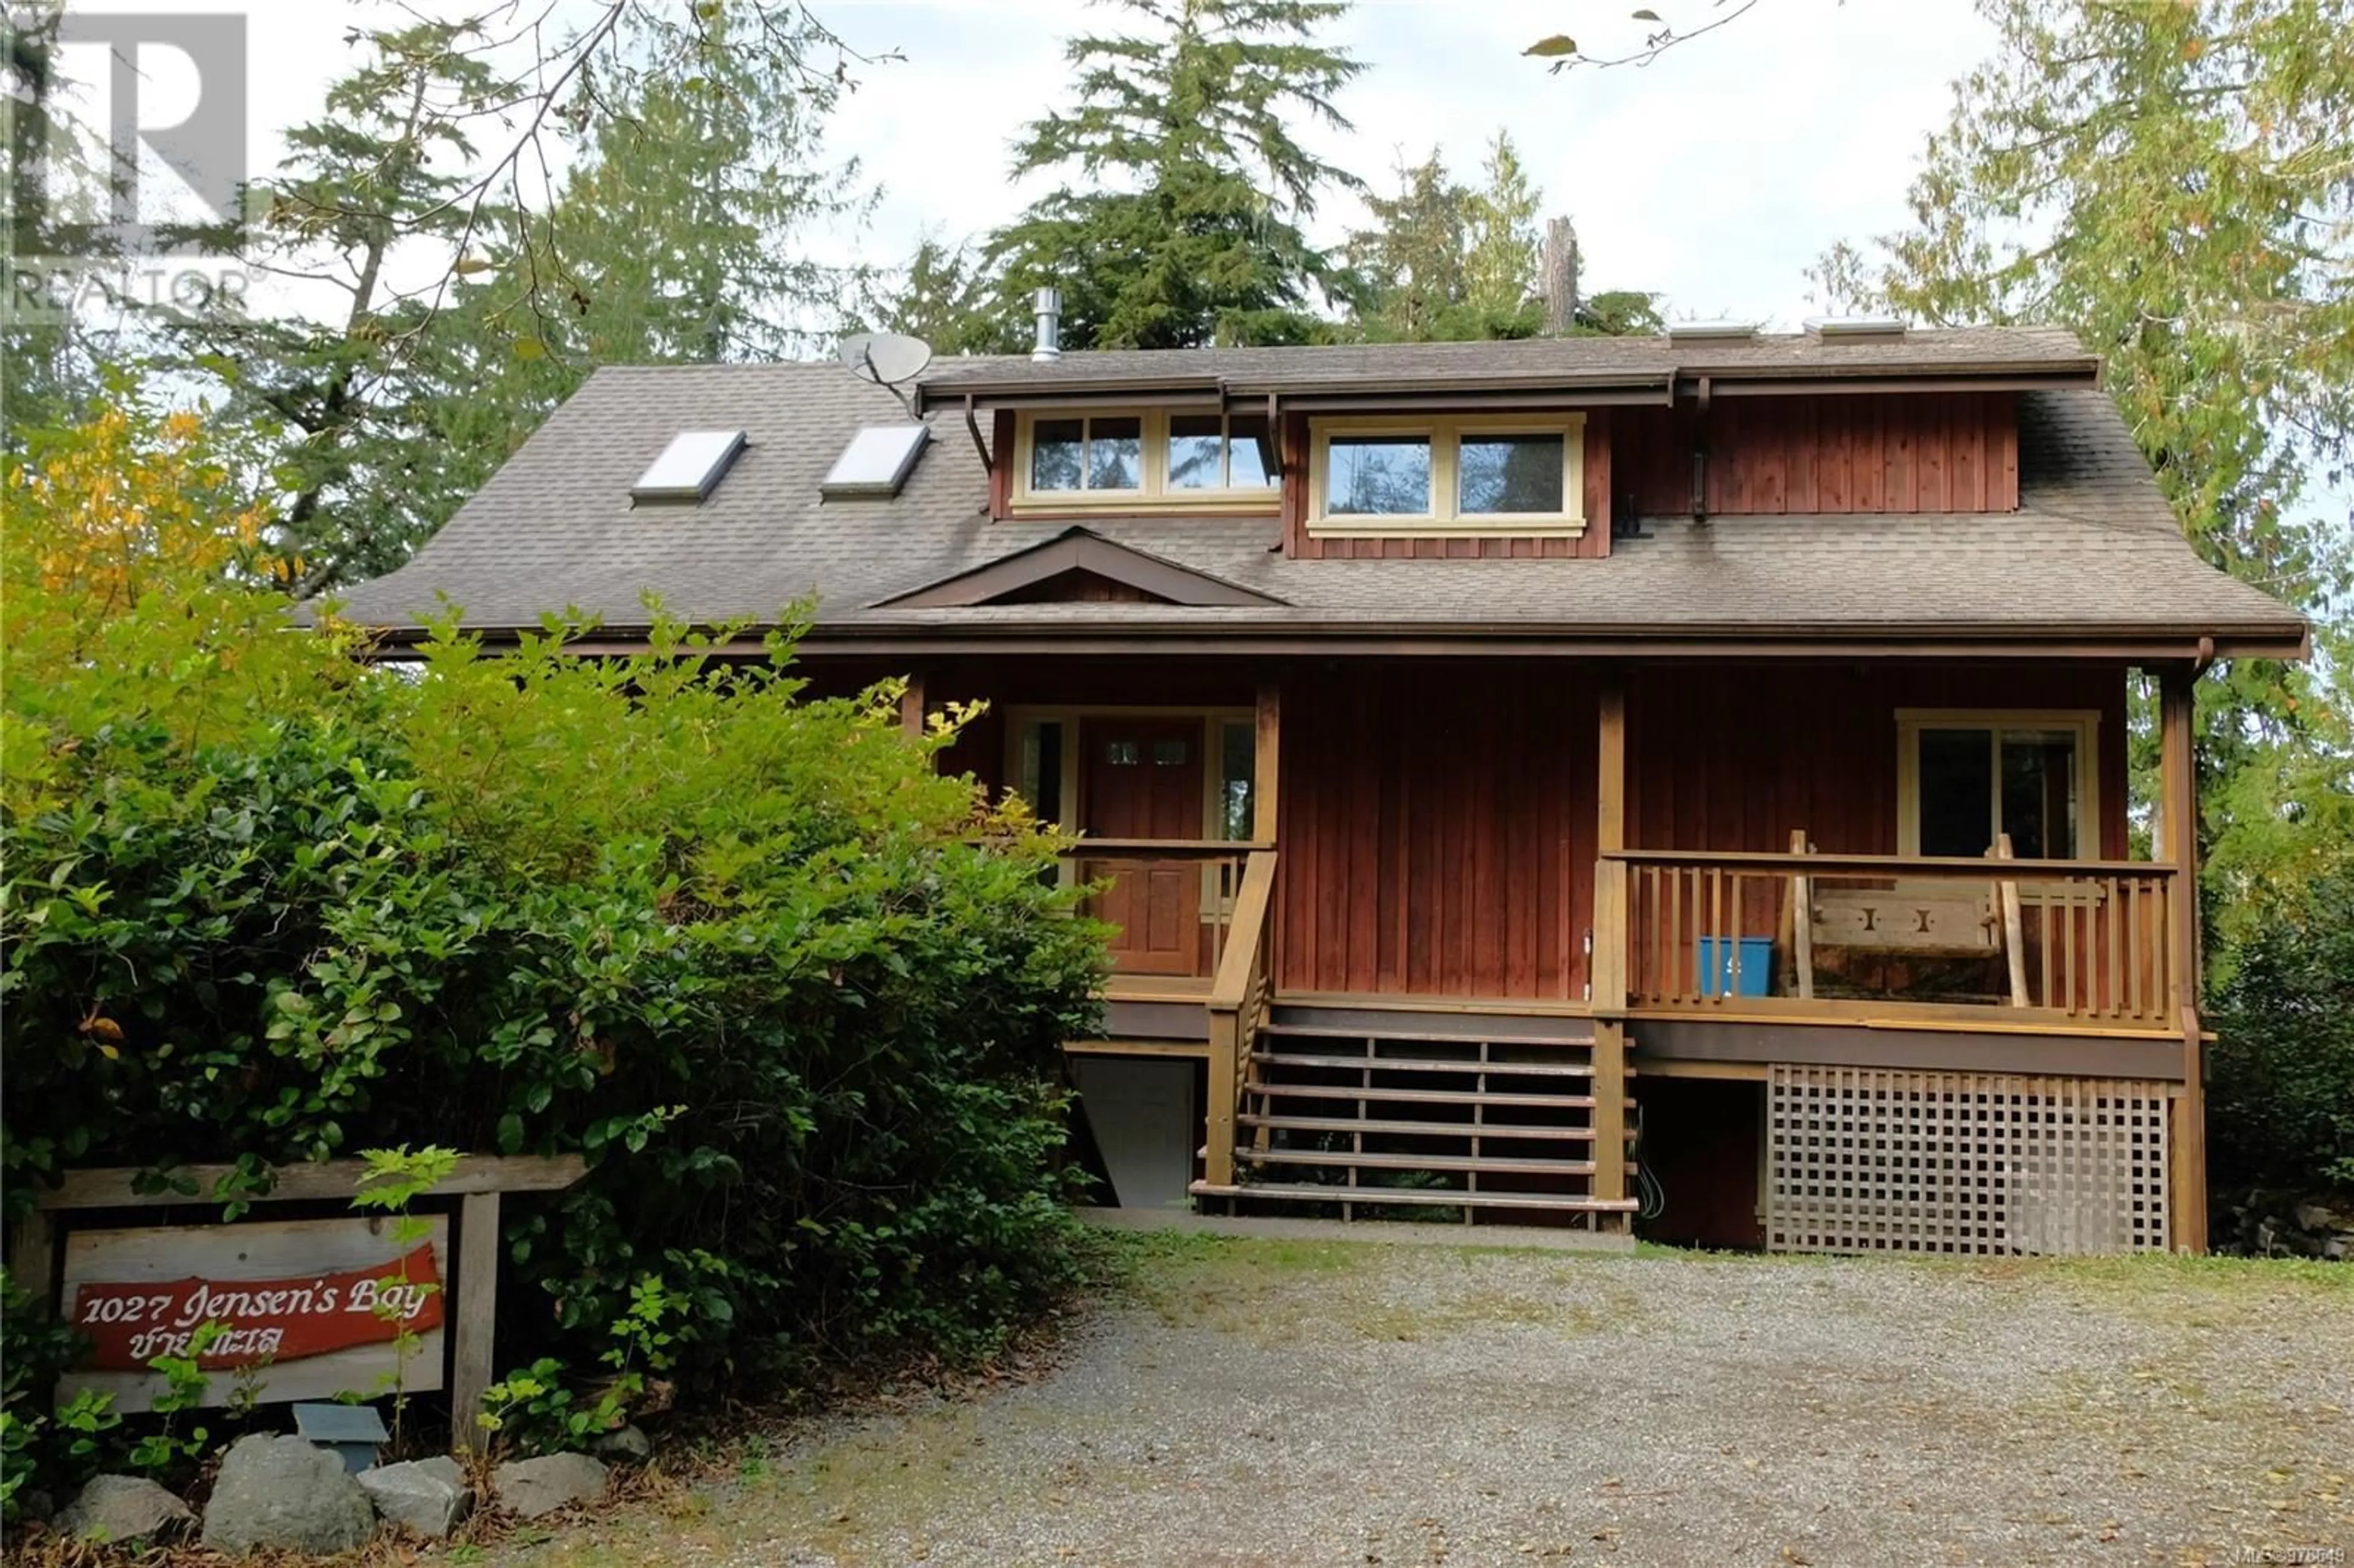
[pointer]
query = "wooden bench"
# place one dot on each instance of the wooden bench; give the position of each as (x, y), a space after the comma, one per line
(1938, 919)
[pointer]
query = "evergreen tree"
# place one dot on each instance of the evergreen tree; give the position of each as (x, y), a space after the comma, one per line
(1181, 225)
(1410, 265)
(2170, 181)
(672, 237)
(1501, 258)
(1447, 262)
(948, 297)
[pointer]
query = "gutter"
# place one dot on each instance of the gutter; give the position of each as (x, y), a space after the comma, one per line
(2141, 644)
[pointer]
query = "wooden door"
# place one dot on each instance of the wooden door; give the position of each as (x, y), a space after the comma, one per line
(1141, 778)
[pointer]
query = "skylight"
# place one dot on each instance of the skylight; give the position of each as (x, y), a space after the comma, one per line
(689, 466)
(876, 461)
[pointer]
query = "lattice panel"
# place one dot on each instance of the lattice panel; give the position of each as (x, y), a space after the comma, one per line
(1865, 1160)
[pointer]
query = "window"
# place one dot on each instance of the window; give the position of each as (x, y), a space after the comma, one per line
(1208, 460)
(1088, 454)
(1963, 777)
(1377, 476)
(1508, 478)
(1220, 452)
(1514, 475)
(1237, 772)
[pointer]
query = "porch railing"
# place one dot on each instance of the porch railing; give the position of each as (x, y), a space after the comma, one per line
(2084, 943)
(1181, 894)
(1239, 996)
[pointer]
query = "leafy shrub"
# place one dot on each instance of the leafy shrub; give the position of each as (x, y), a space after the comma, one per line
(2281, 1094)
(797, 999)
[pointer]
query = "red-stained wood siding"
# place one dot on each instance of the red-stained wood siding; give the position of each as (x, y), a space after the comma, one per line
(1722, 758)
(1921, 451)
(1593, 542)
(1437, 829)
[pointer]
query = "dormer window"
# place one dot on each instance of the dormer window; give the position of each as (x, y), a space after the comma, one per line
(1102, 452)
(1156, 459)
(1496, 478)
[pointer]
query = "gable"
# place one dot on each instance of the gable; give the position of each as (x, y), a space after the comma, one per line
(1079, 568)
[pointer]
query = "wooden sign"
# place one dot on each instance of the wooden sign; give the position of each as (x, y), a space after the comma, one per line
(307, 1309)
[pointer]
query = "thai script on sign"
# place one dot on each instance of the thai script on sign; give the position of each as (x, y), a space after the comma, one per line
(129, 1325)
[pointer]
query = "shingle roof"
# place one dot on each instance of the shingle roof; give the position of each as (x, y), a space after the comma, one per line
(2093, 551)
(1248, 370)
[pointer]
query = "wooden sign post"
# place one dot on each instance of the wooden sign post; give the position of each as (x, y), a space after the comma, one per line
(312, 1307)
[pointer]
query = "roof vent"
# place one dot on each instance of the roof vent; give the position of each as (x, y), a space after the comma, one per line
(1710, 332)
(875, 463)
(1851, 328)
(693, 462)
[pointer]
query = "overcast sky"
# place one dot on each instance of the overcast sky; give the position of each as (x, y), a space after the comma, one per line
(1711, 176)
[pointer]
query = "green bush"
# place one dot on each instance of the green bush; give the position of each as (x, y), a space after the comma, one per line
(797, 1000)
(2281, 1092)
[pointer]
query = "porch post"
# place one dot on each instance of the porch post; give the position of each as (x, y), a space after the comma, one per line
(2178, 829)
(911, 707)
(1267, 755)
(1607, 966)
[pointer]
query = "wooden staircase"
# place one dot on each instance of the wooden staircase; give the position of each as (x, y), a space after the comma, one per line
(1413, 1115)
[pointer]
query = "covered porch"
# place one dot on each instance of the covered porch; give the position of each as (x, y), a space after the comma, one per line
(1556, 880)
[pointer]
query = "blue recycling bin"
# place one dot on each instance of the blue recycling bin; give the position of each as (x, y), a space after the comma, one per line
(1756, 976)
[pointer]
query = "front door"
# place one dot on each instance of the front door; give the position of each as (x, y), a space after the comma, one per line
(1141, 778)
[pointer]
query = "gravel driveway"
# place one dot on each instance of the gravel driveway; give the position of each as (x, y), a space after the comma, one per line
(1252, 1401)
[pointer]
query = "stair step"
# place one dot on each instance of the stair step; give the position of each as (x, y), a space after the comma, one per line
(1415, 1129)
(1425, 1064)
(1318, 1193)
(1329, 1031)
(1482, 1164)
(1378, 1092)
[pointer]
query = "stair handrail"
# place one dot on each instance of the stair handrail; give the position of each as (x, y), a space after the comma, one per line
(1237, 1004)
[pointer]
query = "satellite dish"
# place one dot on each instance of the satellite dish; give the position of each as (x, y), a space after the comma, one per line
(885, 358)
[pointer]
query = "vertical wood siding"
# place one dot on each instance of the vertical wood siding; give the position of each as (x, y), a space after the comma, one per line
(1921, 451)
(1722, 758)
(1437, 829)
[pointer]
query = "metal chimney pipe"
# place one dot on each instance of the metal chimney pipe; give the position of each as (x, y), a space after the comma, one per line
(1050, 324)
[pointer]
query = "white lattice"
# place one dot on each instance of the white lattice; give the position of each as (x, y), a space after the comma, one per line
(1867, 1159)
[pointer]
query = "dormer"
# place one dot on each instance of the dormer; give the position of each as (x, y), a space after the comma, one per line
(1546, 448)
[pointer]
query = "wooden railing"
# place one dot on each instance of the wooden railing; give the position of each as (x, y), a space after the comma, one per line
(1174, 900)
(1894, 937)
(1239, 996)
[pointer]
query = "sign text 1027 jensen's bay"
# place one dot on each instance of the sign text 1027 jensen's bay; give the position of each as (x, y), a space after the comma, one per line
(130, 1324)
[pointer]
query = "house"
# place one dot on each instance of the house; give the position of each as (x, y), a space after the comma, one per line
(1677, 780)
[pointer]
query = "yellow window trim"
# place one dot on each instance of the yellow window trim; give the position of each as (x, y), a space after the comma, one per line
(1445, 434)
(1154, 493)
(2085, 723)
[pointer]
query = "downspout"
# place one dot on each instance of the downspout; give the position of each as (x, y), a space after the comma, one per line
(972, 426)
(1700, 454)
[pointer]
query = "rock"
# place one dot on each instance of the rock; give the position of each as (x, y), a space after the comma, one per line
(2317, 1217)
(428, 1496)
(534, 1487)
(284, 1494)
(630, 1443)
(36, 1507)
(123, 1508)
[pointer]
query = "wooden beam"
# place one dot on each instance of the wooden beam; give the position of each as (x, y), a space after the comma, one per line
(2179, 823)
(474, 1321)
(1265, 760)
(911, 707)
(113, 1188)
(1608, 975)
(33, 1257)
